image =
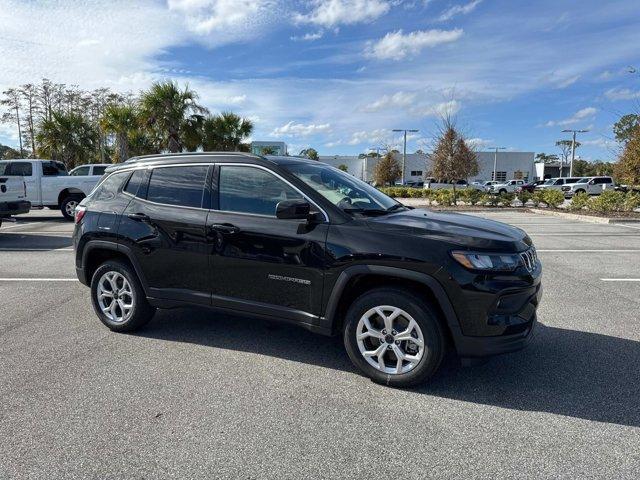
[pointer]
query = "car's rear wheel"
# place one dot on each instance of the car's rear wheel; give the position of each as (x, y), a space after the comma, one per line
(580, 190)
(118, 297)
(502, 190)
(68, 207)
(394, 337)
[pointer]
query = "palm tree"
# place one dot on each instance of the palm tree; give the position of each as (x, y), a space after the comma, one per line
(122, 121)
(225, 132)
(67, 137)
(268, 150)
(164, 108)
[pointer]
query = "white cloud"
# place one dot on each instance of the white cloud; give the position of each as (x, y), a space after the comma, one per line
(397, 100)
(622, 94)
(308, 37)
(441, 109)
(480, 143)
(567, 82)
(581, 115)
(293, 129)
(223, 21)
(396, 45)
(332, 13)
(600, 143)
(379, 135)
(459, 10)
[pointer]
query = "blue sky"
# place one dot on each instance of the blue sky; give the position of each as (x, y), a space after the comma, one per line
(338, 75)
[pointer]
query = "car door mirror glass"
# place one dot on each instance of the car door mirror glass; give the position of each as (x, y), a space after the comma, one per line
(293, 209)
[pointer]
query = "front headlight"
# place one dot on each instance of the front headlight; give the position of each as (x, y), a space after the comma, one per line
(495, 262)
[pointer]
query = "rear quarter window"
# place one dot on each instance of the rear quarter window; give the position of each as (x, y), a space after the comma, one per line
(108, 189)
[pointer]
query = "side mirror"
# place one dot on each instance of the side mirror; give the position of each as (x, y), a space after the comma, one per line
(293, 209)
(592, 182)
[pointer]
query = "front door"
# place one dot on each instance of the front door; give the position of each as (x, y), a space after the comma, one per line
(165, 228)
(261, 263)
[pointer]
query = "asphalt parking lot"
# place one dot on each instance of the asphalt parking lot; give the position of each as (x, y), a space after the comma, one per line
(198, 394)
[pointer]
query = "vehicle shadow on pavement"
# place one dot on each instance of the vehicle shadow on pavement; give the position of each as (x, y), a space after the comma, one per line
(16, 241)
(564, 372)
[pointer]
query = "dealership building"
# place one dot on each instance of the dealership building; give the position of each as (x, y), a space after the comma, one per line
(509, 165)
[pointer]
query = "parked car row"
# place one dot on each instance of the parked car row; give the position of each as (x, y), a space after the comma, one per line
(48, 184)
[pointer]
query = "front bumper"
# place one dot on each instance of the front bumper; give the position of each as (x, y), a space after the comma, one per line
(14, 208)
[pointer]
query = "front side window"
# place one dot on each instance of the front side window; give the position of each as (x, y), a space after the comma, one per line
(343, 190)
(180, 186)
(252, 190)
(54, 169)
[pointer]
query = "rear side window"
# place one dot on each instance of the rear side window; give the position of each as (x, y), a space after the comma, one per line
(53, 169)
(80, 171)
(180, 186)
(17, 168)
(99, 170)
(133, 185)
(108, 189)
(252, 190)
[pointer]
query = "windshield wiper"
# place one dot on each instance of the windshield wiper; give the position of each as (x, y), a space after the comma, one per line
(365, 211)
(395, 207)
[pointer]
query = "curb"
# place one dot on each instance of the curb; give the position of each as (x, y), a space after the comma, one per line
(584, 218)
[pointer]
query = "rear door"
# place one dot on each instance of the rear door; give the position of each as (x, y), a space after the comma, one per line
(164, 226)
(258, 262)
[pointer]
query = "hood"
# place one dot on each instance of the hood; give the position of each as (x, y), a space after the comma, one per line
(464, 231)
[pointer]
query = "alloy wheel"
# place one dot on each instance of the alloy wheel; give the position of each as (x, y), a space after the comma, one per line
(70, 207)
(390, 340)
(115, 297)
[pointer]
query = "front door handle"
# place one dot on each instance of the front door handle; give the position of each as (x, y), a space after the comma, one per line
(139, 217)
(224, 228)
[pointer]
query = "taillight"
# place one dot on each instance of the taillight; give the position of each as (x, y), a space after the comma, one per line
(80, 211)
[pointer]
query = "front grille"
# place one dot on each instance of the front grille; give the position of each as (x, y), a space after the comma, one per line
(566, 189)
(529, 258)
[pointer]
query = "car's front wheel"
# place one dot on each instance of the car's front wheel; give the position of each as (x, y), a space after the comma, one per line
(394, 337)
(118, 297)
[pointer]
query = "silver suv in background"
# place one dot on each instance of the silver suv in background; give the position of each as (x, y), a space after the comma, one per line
(589, 185)
(557, 183)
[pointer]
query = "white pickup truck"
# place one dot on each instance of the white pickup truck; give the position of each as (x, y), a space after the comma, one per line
(49, 184)
(510, 186)
(13, 193)
(588, 185)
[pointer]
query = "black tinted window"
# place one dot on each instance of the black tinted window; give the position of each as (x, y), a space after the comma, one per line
(53, 169)
(183, 186)
(108, 189)
(99, 170)
(80, 171)
(252, 190)
(134, 182)
(18, 168)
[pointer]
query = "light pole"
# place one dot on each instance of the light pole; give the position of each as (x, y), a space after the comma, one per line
(404, 150)
(495, 160)
(573, 149)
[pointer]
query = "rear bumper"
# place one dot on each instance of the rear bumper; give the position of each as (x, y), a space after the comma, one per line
(14, 208)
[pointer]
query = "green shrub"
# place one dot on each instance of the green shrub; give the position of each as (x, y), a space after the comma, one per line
(415, 193)
(578, 202)
(523, 197)
(553, 198)
(443, 196)
(473, 196)
(631, 202)
(537, 198)
(491, 200)
(608, 201)
(506, 199)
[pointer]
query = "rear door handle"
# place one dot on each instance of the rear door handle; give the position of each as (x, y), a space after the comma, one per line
(139, 217)
(224, 228)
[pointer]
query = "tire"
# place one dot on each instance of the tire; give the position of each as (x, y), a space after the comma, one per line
(580, 191)
(68, 206)
(502, 190)
(120, 320)
(428, 357)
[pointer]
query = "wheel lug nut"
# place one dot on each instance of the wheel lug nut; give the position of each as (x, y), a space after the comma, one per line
(393, 332)
(397, 342)
(384, 332)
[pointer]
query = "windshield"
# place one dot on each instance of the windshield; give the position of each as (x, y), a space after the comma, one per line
(342, 189)
(583, 180)
(551, 181)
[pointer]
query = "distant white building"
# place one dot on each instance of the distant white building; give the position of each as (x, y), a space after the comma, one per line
(509, 165)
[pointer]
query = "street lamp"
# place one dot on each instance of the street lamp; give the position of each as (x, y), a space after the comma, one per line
(404, 150)
(495, 160)
(573, 149)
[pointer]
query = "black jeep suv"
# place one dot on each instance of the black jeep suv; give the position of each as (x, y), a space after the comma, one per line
(297, 240)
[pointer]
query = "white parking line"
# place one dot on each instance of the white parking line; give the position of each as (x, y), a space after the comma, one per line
(36, 249)
(635, 227)
(620, 279)
(39, 233)
(38, 279)
(583, 234)
(17, 225)
(563, 250)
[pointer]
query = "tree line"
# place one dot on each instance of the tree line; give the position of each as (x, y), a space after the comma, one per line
(62, 122)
